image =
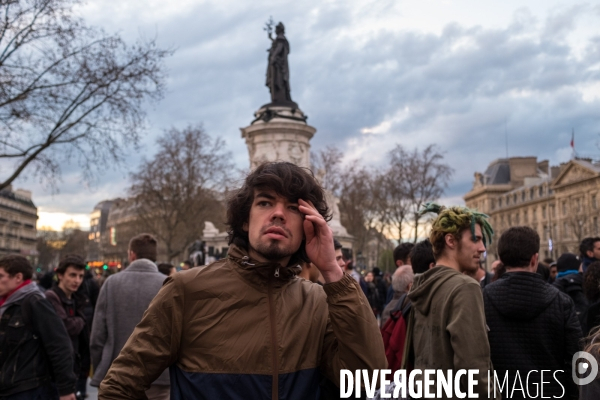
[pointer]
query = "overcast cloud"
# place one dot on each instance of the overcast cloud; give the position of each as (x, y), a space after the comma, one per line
(369, 75)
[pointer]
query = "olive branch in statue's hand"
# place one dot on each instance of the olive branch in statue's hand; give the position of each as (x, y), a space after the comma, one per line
(269, 27)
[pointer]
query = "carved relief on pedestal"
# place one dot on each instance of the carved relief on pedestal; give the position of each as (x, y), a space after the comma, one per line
(295, 153)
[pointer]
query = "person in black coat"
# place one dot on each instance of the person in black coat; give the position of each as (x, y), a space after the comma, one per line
(533, 326)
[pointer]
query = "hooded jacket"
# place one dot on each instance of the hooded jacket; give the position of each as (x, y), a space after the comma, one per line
(241, 329)
(448, 326)
(533, 327)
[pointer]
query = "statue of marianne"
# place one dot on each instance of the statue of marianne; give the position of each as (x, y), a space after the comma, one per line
(278, 73)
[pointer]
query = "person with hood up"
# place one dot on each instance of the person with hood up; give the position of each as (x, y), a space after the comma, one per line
(447, 329)
(533, 326)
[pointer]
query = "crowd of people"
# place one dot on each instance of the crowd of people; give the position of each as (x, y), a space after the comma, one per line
(284, 312)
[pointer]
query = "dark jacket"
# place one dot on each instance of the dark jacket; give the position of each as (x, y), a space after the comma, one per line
(34, 347)
(572, 285)
(242, 329)
(90, 289)
(533, 326)
(72, 313)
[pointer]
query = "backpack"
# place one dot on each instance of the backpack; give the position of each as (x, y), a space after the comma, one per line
(394, 333)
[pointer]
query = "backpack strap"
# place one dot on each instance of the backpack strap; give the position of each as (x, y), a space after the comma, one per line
(394, 313)
(408, 356)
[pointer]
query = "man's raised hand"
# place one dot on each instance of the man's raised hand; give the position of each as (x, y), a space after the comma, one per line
(319, 242)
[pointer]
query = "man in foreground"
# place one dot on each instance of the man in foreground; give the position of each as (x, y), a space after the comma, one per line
(36, 360)
(448, 330)
(246, 327)
(533, 326)
(123, 299)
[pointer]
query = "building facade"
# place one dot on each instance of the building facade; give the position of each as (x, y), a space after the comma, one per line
(98, 221)
(18, 218)
(560, 203)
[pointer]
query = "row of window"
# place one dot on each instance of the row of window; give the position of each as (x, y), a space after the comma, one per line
(521, 196)
(571, 229)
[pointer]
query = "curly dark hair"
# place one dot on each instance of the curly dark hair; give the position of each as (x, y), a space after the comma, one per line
(287, 180)
(591, 282)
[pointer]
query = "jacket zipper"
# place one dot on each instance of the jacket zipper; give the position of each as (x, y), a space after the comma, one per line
(275, 391)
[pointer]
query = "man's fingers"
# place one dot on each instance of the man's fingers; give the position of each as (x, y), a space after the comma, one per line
(309, 230)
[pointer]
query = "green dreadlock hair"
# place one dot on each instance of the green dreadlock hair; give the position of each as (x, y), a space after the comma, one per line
(454, 219)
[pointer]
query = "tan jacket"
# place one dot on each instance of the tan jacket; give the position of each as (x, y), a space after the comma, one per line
(247, 330)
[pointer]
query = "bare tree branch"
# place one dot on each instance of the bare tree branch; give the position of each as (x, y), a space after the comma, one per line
(64, 86)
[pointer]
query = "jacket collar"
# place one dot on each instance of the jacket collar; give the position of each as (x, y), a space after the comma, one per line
(142, 265)
(262, 273)
(61, 295)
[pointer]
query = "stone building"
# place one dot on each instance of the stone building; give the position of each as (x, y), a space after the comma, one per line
(560, 203)
(18, 217)
(98, 220)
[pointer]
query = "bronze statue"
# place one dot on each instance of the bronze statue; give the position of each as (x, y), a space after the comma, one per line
(278, 73)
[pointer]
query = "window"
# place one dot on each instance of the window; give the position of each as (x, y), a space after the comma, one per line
(525, 217)
(541, 191)
(566, 229)
(552, 210)
(577, 205)
(531, 194)
(500, 202)
(515, 198)
(544, 212)
(517, 219)
(564, 208)
(595, 225)
(594, 202)
(523, 196)
(534, 214)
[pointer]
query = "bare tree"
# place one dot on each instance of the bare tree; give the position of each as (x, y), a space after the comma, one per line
(326, 166)
(579, 220)
(181, 187)
(395, 189)
(362, 206)
(68, 91)
(420, 176)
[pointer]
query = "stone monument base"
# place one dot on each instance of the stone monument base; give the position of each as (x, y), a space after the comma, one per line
(278, 133)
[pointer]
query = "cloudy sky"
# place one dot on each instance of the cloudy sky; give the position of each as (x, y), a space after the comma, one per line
(369, 74)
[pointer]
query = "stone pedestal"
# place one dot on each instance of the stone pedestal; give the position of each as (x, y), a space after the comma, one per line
(278, 133)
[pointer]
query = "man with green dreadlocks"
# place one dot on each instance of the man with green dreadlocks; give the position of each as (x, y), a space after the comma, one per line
(447, 327)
